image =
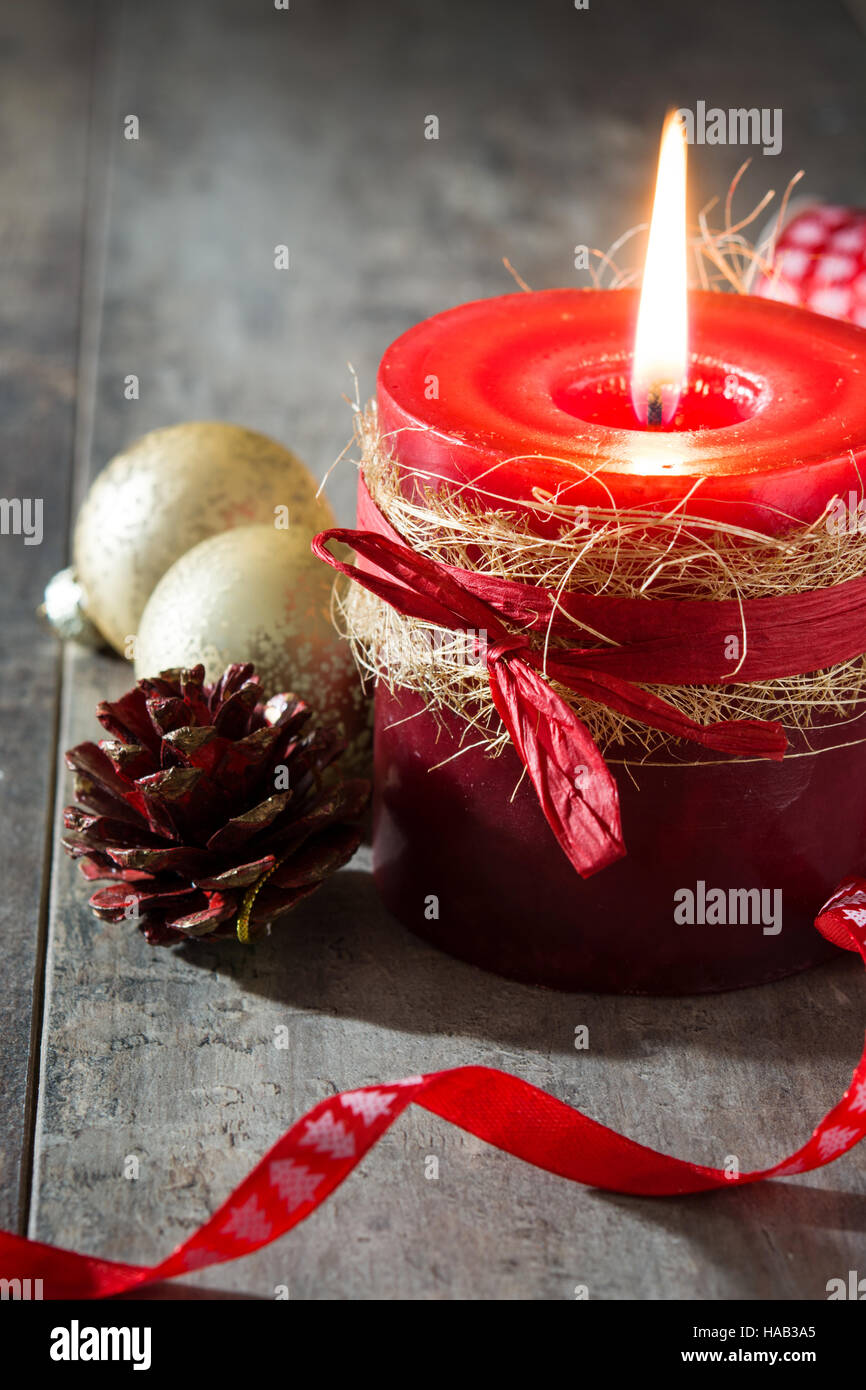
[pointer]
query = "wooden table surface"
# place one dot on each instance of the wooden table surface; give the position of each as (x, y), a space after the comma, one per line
(155, 257)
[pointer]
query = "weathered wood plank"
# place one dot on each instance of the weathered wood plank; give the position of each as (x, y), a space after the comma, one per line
(306, 127)
(44, 97)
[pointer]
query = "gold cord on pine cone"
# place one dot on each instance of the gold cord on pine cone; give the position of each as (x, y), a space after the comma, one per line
(243, 922)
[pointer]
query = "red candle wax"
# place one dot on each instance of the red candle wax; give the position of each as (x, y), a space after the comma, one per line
(468, 829)
(532, 391)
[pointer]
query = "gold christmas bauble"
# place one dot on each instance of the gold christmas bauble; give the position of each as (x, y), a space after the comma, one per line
(257, 594)
(169, 490)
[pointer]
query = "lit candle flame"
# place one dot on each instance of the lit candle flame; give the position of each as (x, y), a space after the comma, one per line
(661, 341)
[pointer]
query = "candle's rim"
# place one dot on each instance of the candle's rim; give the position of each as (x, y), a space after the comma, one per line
(474, 395)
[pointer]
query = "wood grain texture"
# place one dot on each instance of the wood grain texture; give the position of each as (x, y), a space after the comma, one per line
(306, 128)
(44, 101)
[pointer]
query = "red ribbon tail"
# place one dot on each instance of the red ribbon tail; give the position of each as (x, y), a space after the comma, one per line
(575, 789)
(65, 1273)
(743, 737)
(843, 917)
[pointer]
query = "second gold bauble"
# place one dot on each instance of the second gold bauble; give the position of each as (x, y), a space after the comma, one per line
(256, 594)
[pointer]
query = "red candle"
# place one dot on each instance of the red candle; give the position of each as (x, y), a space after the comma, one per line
(758, 424)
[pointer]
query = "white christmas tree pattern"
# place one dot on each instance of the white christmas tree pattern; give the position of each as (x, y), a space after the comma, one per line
(199, 1257)
(835, 1139)
(295, 1182)
(247, 1222)
(857, 1100)
(327, 1135)
(368, 1105)
(787, 1170)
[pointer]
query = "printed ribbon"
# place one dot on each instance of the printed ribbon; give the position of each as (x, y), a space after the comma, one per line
(665, 642)
(321, 1149)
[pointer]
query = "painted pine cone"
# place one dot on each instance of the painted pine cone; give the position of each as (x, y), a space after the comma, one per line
(212, 810)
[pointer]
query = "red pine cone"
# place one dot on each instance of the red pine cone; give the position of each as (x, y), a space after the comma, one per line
(213, 811)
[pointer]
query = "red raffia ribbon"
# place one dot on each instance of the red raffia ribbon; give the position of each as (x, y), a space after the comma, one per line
(321, 1149)
(665, 642)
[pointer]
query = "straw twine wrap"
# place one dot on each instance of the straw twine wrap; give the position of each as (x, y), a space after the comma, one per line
(597, 551)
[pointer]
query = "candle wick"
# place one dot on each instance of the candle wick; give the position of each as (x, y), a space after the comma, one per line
(654, 406)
